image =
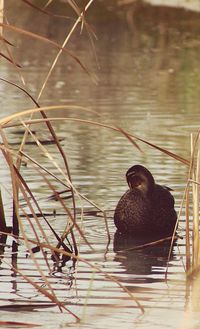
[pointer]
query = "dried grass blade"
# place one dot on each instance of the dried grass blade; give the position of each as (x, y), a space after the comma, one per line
(17, 324)
(60, 52)
(22, 89)
(75, 7)
(36, 263)
(20, 186)
(19, 183)
(195, 144)
(50, 42)
(43, 291)
(49, 156)
(149, 244)
(172, 155)
(48, 123)
(6, 41)
(37, 164)
(4, 121)
(94, 267)
(40, 212)
(187, 229)
(43, 10)
(129, 138)
(54, 137)
(1, 16)
(73, 220)
(10, 60)
(15, 187)
(2, 215)
(169, 153)
(61, 181)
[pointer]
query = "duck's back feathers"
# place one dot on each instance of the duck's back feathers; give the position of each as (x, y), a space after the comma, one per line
(131, 212)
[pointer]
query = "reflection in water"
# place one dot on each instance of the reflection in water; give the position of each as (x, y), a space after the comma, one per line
(144, 260)
(13, 262)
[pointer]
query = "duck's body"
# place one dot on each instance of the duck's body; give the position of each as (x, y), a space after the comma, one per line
(146, 208)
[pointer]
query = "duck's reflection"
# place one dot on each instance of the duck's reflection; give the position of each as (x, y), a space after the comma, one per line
(142, 260)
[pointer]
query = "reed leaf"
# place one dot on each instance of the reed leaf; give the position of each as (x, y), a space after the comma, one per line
(48, 41)
(95, 123)
(2, 215)
(91, 265)
(44, 11)
(9, 60)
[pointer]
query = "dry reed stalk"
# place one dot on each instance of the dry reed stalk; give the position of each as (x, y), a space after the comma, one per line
(43, 10)
(192, 201)
(1, 16)
(44, 291)
(79, 19)
(6, 124)
(10, 161)
(19, 184)
(47, 245)
(23, 189)
(90, 264)
(187, 228)
(193, 254)
(51, 130)
(2, 215)
(48, 41)
(41, 170)
(195, 175)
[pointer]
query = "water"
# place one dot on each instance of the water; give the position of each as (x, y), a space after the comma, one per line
(148, 84)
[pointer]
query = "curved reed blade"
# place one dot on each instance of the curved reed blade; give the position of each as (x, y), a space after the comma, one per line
(42, 10)
(6, 41)
(91, 265)
(129, 138)
(80, 18)
(22, 89)
(48, 41)
(45, 292)
(2, 215)
(99, 124)
(10, 60)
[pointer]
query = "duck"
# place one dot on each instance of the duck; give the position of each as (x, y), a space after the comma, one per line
(146, 209)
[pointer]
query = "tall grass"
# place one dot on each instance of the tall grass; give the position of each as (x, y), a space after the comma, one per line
(21, 194)
(36, 238)
(1, 16)
(192, 207)
(192, 233)
(29, 222)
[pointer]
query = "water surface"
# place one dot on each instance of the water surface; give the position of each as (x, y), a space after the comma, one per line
(148, 84)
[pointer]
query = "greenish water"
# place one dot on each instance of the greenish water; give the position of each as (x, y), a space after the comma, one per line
(148, 84)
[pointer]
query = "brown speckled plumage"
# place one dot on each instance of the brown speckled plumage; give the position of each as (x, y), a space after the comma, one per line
(146, 208)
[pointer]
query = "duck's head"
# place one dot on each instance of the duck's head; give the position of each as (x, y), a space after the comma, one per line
(140, 178)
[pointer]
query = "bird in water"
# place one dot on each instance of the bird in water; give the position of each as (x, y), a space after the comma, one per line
(146, 209)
